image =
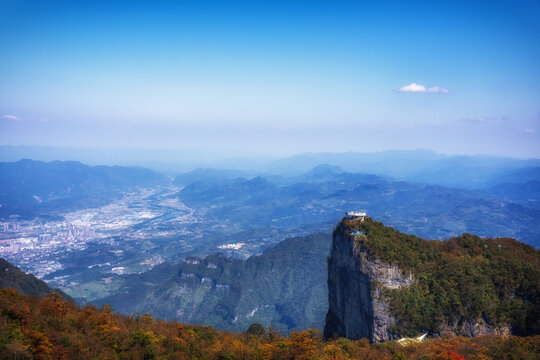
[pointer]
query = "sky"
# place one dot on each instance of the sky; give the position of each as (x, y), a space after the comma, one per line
(272, 78)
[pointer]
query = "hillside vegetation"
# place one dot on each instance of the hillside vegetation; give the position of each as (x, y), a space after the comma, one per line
(284, 287)
(12, 277)
(52, 328)
(465, 277)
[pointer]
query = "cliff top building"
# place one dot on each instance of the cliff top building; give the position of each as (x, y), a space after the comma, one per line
(356, 215)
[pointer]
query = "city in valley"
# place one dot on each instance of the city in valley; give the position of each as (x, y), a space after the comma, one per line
(81, 250)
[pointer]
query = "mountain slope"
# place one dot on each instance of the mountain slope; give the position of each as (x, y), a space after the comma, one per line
(13, 278)
(29, 188)
(50, 328)
(284, 287)
(527, 194)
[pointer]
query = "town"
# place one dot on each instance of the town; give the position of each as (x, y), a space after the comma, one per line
(37, 245)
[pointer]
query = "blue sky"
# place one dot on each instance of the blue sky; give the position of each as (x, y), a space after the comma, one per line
(272, 77)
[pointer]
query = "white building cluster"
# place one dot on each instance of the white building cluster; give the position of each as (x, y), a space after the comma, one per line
(356, 215)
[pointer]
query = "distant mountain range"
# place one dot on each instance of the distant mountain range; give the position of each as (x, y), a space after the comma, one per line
(421, 166)
(316, 198)
(289, 277)
(212, 175)
(30, 188)
(324, 193)
(424, 166)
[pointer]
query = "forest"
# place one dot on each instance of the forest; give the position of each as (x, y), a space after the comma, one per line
(53, 328)
(496, 280)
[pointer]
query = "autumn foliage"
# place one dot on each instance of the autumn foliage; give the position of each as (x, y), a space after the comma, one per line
(52, 328)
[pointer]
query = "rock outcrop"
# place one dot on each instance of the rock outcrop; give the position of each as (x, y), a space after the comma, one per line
(359, 303)
(357, 307)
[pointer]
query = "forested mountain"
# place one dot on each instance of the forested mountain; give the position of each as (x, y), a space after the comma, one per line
(284, 287)
(30, 188)
(384, 284)
(13, 278)
(451, 282)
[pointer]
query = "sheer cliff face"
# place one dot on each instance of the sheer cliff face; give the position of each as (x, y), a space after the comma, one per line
(357, 308)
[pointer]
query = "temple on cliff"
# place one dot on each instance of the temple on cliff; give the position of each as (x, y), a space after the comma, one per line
(356, 215)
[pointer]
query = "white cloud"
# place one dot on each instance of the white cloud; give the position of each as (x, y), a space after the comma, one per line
(529, 131)
(417, 88)
(11, 117)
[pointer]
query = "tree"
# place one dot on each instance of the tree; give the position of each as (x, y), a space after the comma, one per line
(256, 329)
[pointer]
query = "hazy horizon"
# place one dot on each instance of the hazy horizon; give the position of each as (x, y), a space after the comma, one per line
(172, 161)
(272, 78)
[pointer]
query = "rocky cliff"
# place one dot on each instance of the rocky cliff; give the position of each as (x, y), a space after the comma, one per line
(357, 306)
(383, 285)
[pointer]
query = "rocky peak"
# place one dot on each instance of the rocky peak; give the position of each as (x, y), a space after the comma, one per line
(383, 284)
(357, 307)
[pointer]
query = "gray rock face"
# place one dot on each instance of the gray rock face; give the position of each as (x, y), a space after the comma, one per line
(357, 307)
(472, 328)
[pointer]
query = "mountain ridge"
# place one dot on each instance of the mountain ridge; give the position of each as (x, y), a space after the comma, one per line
(11, 277)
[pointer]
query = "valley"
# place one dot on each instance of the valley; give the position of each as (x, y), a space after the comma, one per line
(87, 250)
(154, 241)
(233, 180)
